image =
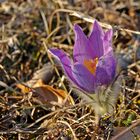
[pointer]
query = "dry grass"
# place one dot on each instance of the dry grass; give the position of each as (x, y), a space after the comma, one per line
(27, 29)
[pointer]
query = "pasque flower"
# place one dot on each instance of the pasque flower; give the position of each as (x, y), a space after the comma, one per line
(93, 61)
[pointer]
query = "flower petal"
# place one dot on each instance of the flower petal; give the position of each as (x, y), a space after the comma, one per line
(81, 50)
(102, 78)
(84, 78)
(96, 40)
(108, 41)
(108, 35)
(65, 61)
(106, 69)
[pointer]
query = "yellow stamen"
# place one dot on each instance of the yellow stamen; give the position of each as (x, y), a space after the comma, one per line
(91, 65)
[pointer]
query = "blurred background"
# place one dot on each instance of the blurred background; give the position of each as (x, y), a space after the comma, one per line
(29, 27)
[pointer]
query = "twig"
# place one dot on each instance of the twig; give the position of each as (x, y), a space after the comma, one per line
(66, 123)
(90, 19)
(126, 130)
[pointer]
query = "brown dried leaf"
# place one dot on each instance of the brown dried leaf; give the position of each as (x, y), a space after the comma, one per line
(24, 89)
(47, 94)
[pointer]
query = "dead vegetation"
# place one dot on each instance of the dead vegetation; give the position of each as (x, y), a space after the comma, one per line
(27, 29)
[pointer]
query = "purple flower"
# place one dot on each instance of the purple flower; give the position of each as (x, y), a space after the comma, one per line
(93, 62)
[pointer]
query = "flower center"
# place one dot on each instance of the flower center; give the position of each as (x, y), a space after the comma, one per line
(91, 64)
